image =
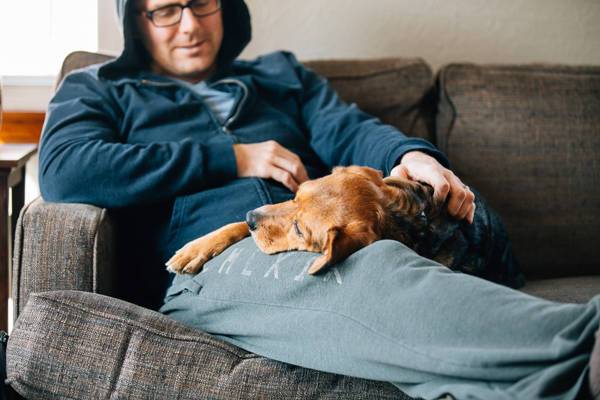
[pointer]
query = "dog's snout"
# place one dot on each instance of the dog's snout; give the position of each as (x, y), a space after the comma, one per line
(251, 220)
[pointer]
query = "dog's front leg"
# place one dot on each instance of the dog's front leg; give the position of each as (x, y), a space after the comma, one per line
(191, 257)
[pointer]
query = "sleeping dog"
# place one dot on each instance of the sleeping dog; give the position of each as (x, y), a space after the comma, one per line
(353, 207)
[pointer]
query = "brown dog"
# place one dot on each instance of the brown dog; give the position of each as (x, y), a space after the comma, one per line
(353, 207)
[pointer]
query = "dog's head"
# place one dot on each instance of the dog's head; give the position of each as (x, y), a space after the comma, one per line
(338, 214)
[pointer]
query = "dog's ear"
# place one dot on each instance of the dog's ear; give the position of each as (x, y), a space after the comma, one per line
(341, 243)
(409, 197)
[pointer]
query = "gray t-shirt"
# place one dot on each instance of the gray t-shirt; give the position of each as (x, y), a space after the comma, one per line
(220, 103)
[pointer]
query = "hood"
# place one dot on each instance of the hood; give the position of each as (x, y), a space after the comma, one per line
(236, 35)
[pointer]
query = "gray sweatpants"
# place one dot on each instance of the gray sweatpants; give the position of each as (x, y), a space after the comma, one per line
(388, 314)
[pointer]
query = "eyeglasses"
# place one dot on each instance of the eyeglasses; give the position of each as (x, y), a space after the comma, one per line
(170, 14)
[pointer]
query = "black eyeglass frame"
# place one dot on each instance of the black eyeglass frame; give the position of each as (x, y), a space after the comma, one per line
(150, 14)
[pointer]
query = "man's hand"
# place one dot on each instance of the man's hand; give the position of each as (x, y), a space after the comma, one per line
(422, 167)
(270, 160)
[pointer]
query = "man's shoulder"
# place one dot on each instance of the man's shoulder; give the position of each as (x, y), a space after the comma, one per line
(86, 72)
(275, 61)
(274, 56)
(279, 68)
(85, 82)
(87, 76)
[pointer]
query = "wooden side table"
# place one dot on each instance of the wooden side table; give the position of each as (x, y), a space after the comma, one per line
(12, 178)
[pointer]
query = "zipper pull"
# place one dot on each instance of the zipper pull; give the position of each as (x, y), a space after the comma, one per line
(3, 337)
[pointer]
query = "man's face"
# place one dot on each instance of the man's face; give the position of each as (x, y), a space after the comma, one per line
(187, 50)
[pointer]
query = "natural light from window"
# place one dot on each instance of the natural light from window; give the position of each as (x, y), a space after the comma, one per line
(36, 35)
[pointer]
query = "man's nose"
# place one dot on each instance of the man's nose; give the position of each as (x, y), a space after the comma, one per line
(188, 20)
(252, 219)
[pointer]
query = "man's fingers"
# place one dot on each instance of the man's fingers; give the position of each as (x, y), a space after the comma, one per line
(471, 214)
(400, 171)
(290, 161)
(468, 205)
(465, 210)
(456, 201)
(283, 176)
(441, 188)
(461, 197)
(270, 160)
(292, 165)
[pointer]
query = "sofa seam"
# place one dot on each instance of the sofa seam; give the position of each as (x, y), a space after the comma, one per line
(442, 78)
(116, 376)
(97, 220)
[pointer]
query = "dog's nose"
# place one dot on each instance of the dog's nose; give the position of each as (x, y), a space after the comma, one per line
(251, 220)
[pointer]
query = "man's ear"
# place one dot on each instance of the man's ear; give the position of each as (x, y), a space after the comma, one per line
(341, 243)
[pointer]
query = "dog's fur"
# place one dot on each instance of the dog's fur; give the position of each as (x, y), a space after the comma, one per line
(354, 206)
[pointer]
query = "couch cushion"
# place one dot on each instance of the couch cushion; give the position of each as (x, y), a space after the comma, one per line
(399, 91)
(576, 289)
(77, 345)
(528, 137)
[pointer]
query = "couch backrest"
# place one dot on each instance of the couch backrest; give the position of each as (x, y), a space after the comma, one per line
(80, 59)
(528, 137)
(399, 91)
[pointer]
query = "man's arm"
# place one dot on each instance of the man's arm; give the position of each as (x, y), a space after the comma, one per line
(342, 135)
(84, 159)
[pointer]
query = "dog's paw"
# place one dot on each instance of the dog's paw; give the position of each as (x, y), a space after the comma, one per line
(189, 259)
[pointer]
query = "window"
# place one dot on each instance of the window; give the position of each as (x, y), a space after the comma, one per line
(36, 35)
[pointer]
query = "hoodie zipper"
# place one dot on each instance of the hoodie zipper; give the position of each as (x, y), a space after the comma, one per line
(238, 107)
(240, 104)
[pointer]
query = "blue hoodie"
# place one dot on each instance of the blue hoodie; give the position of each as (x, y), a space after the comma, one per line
(150, 149)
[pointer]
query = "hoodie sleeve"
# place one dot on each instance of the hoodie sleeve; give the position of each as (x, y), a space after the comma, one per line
(83, 158)
(342, 134)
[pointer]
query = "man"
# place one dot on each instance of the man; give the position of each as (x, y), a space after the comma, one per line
(269, 118)
(178, 138)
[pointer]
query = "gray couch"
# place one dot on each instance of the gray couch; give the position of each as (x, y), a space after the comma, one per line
(526, 136)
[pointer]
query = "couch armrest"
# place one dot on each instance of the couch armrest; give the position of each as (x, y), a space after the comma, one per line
(62, 246)
(123, 351)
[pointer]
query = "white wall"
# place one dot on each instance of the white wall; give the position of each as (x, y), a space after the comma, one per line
(440, 31)
(110, 38)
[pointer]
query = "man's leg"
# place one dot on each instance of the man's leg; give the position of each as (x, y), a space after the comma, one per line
(388, 314)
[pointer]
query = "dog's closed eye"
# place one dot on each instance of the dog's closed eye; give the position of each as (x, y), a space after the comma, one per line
(297, 229)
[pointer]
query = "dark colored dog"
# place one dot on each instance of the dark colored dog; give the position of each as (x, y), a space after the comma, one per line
(354, 206)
